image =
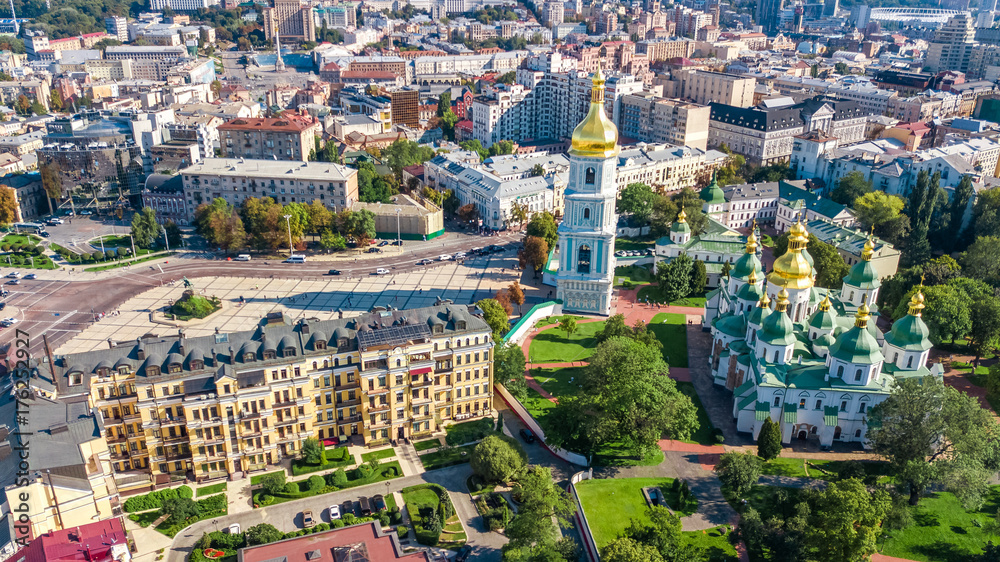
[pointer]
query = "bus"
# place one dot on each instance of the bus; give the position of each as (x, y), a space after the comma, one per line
(32, 227)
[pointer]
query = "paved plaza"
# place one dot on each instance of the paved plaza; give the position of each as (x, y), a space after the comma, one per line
(321, 298)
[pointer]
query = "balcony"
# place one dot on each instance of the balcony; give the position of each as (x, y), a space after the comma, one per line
(173, 420)
(249, 415)
(286, 421)
(347, 385)
(426, 415)
(118, 439)
(175, 438)
(348, 403)
(250, 433)
(119, 456)
(421, 399)
(133, 478)
(350, 419)
(378, 407)
(285, 403)
(302, 400)
(420, 383)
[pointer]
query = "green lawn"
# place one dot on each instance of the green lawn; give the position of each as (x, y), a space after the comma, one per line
(537, 406)
(555, 346)
(614, 454)
(634, 274)
(419, 497)
(255, 480)
(123, 263)
(704, 434)
(715, 543)
(386, 471)
(390, 501)
(556, 319)
(213, 489)
(632, 244)
(612, 503)
(671, 330)
(556, 381)
(785, 467)
(943, 531)
(335, 458)
(652, 293)
(447, 457)
(146, 518)
(470, 431)
(383, 454)
(112, 241)
(427, 444)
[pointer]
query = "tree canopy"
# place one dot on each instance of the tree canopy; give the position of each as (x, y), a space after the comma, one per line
(543, 225)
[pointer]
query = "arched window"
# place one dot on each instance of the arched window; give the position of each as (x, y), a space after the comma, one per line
(350, 360)
(857, 375)
(476, 341)
(591, 173)
(895, 357)
(314, 365)
(776, 355)
(851, 298)
(909, 362)
(398, 362)
(336, 361)
(840, 372)
(857, 434)
(586, 213)
(466, 342)
(583, 259)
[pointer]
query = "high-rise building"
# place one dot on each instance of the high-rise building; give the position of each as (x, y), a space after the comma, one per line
(952, 46)
(769, 15)
(830, 8)
(587, 234)
(651, 119)
(272, 138)
(117, 27)
(552, 13)
(704, 87)
(293, 19)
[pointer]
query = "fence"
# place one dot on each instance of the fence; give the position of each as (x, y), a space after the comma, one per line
(589, 545)
(527, 322)
(529, 421)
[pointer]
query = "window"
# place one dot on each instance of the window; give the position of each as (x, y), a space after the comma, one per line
(586, 213)
(909, 362)
(583, 260)
(857, 375)
(802, 404)
(777, 401)
(591, 173)
(861, 408)
(75, 379)
(819, 404)
(857, 434)
(843, 406)
(840, 371)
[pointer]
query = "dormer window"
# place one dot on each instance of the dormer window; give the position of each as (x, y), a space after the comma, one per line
(174, 368)
(320, 344)
(288, 352)
(197, 364)
(269, 354)
(248, 357)
(123, 370)
(75, 379)
(103, 372)
(153, 370)
(342, 342)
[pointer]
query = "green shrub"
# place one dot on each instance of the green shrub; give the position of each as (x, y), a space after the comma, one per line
(362, 472)
(340, 477)
(395, 516)
(348, 519)
(718, 436)
(383, 518)
(316, 483)
(97, 255)
(402, 531)
(390, 472)
(212, 504)
(292, 488)
(185, 492)
(337, 523)
(322, 527)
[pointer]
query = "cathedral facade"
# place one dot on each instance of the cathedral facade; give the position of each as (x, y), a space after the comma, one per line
(585, 277)
(809, 358)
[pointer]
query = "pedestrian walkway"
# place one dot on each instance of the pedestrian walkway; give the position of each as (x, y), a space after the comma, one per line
(408, 459)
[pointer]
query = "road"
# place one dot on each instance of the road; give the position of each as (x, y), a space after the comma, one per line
(60, 305)
(288, 516)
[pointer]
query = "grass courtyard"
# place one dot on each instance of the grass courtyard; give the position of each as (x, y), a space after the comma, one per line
(611, 504)
(943, 531)
(671, 330)
(651, 293)
(556, 346)
(634, 274)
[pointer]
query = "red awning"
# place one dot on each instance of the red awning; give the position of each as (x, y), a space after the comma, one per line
(421, 371)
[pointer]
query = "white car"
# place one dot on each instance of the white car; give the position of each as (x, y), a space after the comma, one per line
(444, 257)
(55, 221)
(334, 512)
(234, 529)
(14, 275)
(242, 257)
(460, 255)
(7, 322)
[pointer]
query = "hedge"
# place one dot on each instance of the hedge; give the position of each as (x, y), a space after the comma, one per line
(154, 500)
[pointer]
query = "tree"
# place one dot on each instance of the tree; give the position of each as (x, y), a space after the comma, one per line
(673, 278)
(174, 235)
(984, 333)
(624, 549)
(986, 214)
(498, 458)
(51, 177)
(981, 258)
(738, 472)
(22, 104)
(637, 200)
(501, 147)
(541, 501)
(537, 171)
(320, 217)
(263, 533)
(850, 187)
(956, 212)
(145, 229)
(447, 123)
(769, 440)
(614, 327)
(273, 483)
(403, 153)
(625, 398)
(505, 78)
(830, 265)
(508, 365)
(360, 225)
(663, 533)
(55, 100)
(516, 295)
(220, 224)
(495, 316)
(689, 200)
(444, 103)
(180, 509)
(930, 433)
(568, 325)
(543, 225)
(8, 206)
(920, 208)
(518, 213)
(846, 520)
(312, 451)
(504, 299)
(38, 109)
(883, 212)
(468, 213)
(841, 68)
(332, 241)
(475, 146)
(699, 277)
(535, 253)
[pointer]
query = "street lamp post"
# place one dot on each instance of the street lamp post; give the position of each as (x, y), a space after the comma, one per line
(288, 221)
(398, 231)
(132, 239)
(166, 240)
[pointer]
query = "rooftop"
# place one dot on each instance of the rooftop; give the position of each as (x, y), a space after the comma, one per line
(268, 124)
(359, 543)
(242, 167)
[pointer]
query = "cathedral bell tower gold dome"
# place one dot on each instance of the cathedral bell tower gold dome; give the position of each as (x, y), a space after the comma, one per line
(792, 270)
(596, 136)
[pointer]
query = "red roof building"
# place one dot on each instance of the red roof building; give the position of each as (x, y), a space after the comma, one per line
(359, 543)
(103, 541)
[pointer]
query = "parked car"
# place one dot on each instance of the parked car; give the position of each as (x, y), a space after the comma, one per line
(378, 502)
(366, 506)
(424, 262)
(31, 276)
(383, 243)
(527, 435)
(333, 272)
(463, 554)
(3, 305)
(374, 250)
(9, 321)
(86, 213)
(334, 512)
(43, 234)
(460, 255)
(347, 507)
(307, 519)
(620, 253)
(14, 282)
(396, 243)
(444, 257)
(234, 529)
(13, 275)
(242, 257)
(381, 271)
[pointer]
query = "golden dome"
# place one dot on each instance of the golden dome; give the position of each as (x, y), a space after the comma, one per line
(782, 301)
(916, 304)
(764, 301)
(682, 216)
(596, 136)
(792, 270)
(825, 304)
(868, 250)
(751, 243)
(864, 313)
